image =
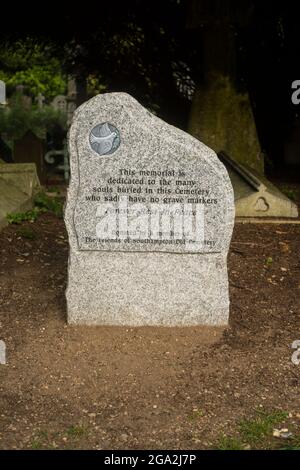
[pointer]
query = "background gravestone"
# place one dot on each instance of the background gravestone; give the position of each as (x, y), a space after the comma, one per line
(130, 169)
(60, 103)
(19, 184)
(30, 149)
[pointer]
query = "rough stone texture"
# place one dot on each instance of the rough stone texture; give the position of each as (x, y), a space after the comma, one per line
(22, 175)
(142, 283)
(18, 184)
(254, 195)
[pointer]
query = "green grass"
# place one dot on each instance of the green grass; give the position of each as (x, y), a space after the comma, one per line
(47, 203)
(40, 440)
(293, 445)
(230, 443)
(36, 445)
(19, 217)
(76, 431)
(290, 447)
(255, 432)
(50, 440)
(42, 204)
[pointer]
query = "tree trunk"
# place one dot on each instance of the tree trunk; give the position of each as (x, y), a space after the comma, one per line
(221, 115)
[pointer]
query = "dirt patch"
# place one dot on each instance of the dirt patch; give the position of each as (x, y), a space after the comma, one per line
(152, 388)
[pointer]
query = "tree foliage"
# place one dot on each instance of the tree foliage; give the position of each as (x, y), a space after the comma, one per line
(133, 46)
(16, 120)
(32, 64)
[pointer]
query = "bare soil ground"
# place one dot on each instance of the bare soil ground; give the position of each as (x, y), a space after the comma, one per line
(145, 388)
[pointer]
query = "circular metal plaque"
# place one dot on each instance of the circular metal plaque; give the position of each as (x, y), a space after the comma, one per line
(104, 138)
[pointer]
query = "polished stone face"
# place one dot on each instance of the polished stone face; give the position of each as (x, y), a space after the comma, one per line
(149, 215)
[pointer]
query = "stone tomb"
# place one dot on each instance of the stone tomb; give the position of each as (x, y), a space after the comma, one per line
(149, 214)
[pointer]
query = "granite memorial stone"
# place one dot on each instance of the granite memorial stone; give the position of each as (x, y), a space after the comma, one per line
(149, 214)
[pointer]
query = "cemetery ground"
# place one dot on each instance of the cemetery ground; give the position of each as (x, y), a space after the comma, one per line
(72, 387)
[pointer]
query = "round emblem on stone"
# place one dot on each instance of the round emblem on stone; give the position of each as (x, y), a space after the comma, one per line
(104, 138)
